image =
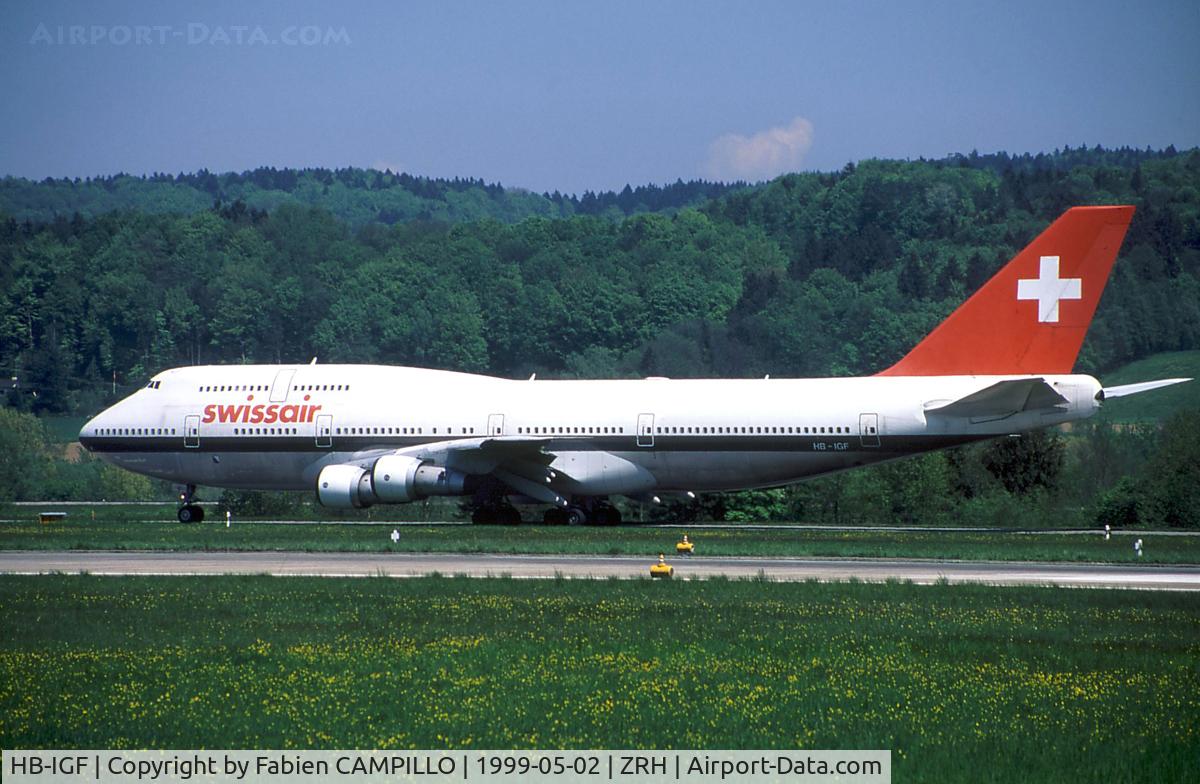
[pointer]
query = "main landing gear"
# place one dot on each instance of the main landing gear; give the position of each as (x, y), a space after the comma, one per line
(588, 512)
(496, 514)
(490, 506)
(190, 512)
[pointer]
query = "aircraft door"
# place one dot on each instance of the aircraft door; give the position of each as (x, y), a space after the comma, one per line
(281, 386)
(645, 430)
(868, 429)
(324, 433)
(495, 424)
(191, 431)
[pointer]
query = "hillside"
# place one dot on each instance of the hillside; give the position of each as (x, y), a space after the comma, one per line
(364, 196)
(808, 275)
(1160, 404)
(356, 196)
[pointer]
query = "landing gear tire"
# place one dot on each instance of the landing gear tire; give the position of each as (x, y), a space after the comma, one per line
(577, 515)
(508, 515)
(484, 515)
(191, 513)
(555, 516)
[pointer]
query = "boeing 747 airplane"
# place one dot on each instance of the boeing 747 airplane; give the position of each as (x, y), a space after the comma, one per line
(359, 435)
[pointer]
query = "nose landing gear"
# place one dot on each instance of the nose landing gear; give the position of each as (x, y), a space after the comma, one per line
(190, 512)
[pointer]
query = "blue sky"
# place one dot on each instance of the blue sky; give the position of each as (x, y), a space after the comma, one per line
(574, 96)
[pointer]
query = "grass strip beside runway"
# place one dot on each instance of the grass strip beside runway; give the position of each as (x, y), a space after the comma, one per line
(962, 682)
(78, 534)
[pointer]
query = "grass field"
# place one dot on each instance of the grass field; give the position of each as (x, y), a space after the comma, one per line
(625, 540)
(963, 683)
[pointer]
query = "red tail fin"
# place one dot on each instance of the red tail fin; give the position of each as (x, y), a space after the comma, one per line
(1032, 315)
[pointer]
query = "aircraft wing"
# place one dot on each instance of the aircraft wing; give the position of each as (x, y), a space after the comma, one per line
(519, 461)
(1000, 400)
(481, 455)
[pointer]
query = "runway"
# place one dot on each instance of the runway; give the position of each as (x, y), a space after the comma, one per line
(296, 564)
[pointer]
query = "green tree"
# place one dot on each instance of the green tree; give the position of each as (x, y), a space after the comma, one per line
(1172, 477)
(1028, 462)
(23, 458)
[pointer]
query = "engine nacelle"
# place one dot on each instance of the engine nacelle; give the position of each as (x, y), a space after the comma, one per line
(345, 487)
(394, 479)
(398, 479)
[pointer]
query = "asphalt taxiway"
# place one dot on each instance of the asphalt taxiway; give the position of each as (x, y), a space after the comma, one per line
(346, 564)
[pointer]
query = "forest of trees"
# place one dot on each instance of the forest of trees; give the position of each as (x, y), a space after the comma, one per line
(357, 196)
(810, 274)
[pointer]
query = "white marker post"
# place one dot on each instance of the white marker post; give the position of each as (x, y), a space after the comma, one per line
(395, 535)
(1107, 532)
(228, 518)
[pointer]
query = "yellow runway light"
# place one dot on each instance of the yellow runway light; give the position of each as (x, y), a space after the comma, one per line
(662, 568)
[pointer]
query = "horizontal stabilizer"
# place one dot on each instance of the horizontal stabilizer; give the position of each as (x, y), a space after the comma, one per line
(1145, 386)
(1002, 399)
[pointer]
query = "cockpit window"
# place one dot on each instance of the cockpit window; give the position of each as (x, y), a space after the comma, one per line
(154, 385)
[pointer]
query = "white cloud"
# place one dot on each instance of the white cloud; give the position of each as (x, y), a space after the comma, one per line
(762, 156)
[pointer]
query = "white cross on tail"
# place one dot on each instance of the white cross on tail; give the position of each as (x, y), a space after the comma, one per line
(1049, 289)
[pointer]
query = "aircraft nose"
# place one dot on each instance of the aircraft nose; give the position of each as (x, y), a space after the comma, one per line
(88, 433)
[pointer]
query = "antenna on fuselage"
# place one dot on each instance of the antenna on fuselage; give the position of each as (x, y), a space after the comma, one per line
(314, 361)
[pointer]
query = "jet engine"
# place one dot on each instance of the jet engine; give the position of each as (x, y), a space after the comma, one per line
(398, 479)
(345, 487)
(392, 479)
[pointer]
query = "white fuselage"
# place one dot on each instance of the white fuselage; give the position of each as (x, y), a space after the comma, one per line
(276, 427)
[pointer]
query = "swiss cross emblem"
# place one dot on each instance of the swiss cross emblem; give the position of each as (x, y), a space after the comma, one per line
(1049, 289)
